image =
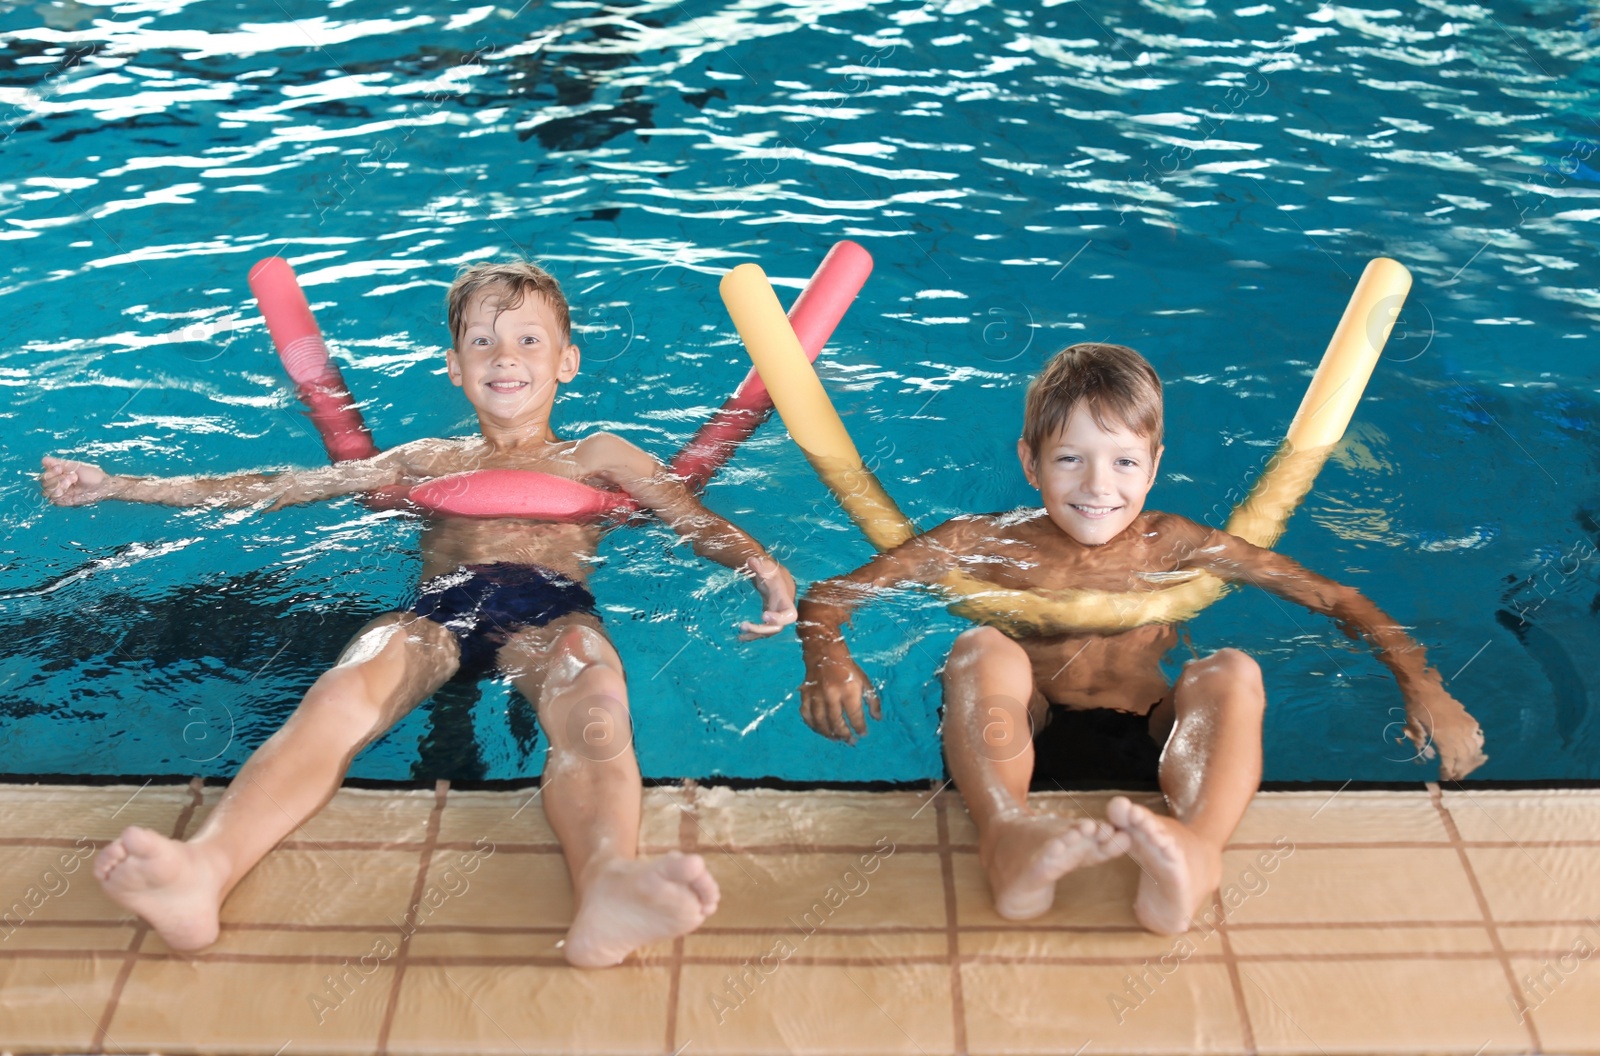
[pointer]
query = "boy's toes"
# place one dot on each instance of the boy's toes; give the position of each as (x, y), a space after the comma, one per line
(111, 855)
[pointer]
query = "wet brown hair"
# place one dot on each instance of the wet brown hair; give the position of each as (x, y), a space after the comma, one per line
(515, 279)
(1112, 381)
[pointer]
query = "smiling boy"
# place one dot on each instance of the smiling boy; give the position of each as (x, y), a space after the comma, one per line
(498, 594)
(1099, 704)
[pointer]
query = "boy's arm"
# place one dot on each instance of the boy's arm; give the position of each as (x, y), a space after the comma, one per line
(1432, 714)
(832, 694)
(69, 483)
(620, 464)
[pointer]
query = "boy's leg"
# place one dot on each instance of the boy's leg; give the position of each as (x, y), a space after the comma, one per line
(592, 796)
(389, 667)
(988, 745)
(1210, 770)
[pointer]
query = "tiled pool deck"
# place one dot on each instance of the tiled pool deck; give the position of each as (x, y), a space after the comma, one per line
(427, 921)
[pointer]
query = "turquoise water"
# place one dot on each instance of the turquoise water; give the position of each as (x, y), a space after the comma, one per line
(1201, 182)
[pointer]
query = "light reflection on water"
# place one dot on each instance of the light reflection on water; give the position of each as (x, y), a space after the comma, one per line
(1202, 184)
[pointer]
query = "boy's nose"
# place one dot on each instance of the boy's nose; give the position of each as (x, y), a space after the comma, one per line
(1098, 480)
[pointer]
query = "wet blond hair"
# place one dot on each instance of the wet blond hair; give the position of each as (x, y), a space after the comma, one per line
(1111, 381)
(514, 279)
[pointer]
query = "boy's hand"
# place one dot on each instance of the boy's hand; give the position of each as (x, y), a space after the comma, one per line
(776, 586)
(1437, 724)
(830, 698)
(68, 483)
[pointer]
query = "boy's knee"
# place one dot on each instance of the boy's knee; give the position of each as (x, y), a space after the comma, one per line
(975, 645)
(580, 653)
(1231, 666)
(582, 643)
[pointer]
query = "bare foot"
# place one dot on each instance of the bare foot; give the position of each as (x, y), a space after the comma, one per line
(1180, 869)
(1025, 854)
(632, 902)
(172, 886)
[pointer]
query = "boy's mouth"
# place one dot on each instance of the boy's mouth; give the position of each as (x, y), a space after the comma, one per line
(1095, 512)
(507, 385)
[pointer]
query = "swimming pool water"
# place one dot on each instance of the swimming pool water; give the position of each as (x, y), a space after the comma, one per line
(1202, 182)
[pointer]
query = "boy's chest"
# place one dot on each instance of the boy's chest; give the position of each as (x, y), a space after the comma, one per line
(555, 459)
(1118, 566)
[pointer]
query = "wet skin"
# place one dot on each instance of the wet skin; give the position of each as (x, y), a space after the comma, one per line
(508, 361)
(1092, 532)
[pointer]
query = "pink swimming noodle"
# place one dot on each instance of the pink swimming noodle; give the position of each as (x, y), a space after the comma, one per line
(305, 356)
(814, 315)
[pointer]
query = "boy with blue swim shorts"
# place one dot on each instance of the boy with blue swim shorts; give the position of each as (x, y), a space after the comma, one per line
(497, 594)
(1018, 706)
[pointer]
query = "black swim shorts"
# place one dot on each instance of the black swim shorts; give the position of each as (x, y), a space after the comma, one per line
(483, 605)
(1095, 745)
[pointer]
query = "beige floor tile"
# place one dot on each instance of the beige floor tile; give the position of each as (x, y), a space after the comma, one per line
(498, 944)
(268, 943)
(501, 817)
(1342, 817)
(1067, 1009)
(461, 1009)
(1350, 885)
(1562, 994)
(764, 817)
(1290, 941)
(1555, 814)
(1131, 945)
(36, 935)
(375, 815)
(1100, 896)
(516, 890)
(519, 817)
(1538, 883)
(42, 884)
(1547, 940)
(661, 826)
(98, 812)
(828, 892)
(325, 887)
(54, 1004)
(367, 814)
(1376, 1006)
(963, 833)
(823, 944)
(186, 1006)
(795, 1008)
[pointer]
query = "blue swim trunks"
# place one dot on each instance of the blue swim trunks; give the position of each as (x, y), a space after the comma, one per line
(484, 605)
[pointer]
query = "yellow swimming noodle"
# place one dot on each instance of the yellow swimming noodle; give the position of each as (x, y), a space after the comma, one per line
(1324, 413)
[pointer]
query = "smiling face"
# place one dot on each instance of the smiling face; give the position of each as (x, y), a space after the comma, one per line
(1091, 478)
(509, 361)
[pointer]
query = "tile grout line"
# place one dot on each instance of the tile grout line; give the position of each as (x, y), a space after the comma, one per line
(441, 792)
(1247, 1033)
(1489, 924)
(952, 925)
(688, 843)
(131, 957)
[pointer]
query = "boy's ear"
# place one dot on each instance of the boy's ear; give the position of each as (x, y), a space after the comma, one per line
(452, 365)
(570, 358)
(1029, 462)
(1156, 465)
